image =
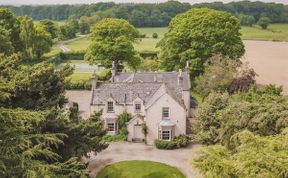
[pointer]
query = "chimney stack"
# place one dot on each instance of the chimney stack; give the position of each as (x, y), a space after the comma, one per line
(113, 71)
(94, 80)
(187, 67)
(180, 79)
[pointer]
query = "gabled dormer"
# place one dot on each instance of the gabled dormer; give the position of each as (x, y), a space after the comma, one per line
(138, 105)
(110, 105)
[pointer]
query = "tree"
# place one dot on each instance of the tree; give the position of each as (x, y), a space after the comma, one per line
(84, 27)
(35, 39)
(112, 40)
(67, 32)
(263, 22)
(155, 35)
(243, 161)
(198, 34)
(42, 41)
(40, 86)
(6, 46)
(9, 22)
(246, 20)
(51, 27)
(218, 75)
(41, 141)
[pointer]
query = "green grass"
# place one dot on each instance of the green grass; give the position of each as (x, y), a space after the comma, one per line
(78, 45)
(149, 31)
(139, 169)
(275, 32)
(80, 77)
(55, 50)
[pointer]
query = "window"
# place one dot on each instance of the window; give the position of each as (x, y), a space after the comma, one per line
(165, 135)
(165, 112)
(110, 107)
(137, 107)
(111, 127)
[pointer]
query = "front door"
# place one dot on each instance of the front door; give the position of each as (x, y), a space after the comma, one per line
(138, 132)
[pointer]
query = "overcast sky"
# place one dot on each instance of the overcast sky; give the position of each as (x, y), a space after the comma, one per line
(35, 2)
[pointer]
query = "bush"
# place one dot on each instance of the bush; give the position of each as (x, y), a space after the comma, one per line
(75, 55)
(114, 138)
(104, 75)
(155, 35)
(142, 36)
(85, 85)
(177, 142)
(148, 54)
(123, 119)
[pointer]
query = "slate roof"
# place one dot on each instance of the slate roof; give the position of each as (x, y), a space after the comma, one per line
(124, 92)
(163, 77)
(148, 86)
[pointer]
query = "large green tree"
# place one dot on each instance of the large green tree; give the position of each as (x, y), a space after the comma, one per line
(6, 46)
(35, 39)
(37, 137)
(198, 34)
(51, 27)
(112, 40)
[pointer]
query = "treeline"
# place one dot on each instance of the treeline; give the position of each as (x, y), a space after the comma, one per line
(151, 15)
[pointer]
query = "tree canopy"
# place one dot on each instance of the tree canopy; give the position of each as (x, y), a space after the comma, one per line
(112, 40)
(149, 15)
(21, 34)
(198, 34)
(242, 129)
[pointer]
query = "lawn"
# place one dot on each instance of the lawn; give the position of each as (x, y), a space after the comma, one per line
(78, 45)
(139, 169)
(80, 77)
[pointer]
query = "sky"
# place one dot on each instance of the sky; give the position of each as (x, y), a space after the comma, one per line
(41, 2)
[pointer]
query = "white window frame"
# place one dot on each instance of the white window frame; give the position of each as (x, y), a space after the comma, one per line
(109, 106)
(166, 131)
(113, 127)
(139, 109)
(165, 112)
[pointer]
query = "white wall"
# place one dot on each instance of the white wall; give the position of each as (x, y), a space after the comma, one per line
(154, 117)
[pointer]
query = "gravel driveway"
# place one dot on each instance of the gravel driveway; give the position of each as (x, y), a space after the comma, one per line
(122, 151)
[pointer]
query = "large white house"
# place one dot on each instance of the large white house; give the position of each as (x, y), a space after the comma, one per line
(159, 99)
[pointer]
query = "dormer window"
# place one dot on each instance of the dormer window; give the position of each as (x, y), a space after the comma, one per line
(165, 112)
(110, 106)
(137, 107)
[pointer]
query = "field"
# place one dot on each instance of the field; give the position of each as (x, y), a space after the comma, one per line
(275, 32)
(267, 57)
(139, 169)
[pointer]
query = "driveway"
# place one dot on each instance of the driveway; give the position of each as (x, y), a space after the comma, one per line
(122, 151)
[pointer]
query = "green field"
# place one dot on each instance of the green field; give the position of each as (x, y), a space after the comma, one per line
(139, 169)
(275, 32)
(78, 45)
(80, 77)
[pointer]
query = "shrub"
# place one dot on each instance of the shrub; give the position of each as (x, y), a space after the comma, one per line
(114, 138)
(123, 119)
(104, 75)
(177, 142)
(142, 36)
(155, 35)
(84, 85)
(75, 55)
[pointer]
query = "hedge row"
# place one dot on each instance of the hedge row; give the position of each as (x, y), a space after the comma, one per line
(75, 55)
(85, 85)
(177, 142)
